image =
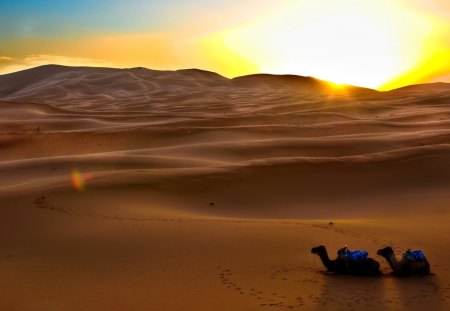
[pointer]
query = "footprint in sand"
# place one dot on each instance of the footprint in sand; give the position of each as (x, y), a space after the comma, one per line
(266, 300)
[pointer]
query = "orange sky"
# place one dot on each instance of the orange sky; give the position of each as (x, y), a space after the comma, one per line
(380, 44)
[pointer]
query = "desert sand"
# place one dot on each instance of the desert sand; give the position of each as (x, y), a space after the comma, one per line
(136, 189)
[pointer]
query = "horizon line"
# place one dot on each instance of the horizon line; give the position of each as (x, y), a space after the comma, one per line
(225, 77)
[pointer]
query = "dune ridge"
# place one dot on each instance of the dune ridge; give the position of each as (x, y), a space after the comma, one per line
(114, 122)
(211, 190)
(55, 83)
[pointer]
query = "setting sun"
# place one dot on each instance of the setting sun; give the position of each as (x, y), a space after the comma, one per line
(382, 44)
(352, 42)
(226, 155)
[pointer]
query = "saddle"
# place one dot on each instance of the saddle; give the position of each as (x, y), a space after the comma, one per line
(346, 254)
(417, 255)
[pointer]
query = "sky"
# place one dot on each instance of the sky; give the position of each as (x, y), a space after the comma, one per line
(381, 44)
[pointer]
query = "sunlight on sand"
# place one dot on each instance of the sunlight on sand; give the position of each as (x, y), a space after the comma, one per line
(214, 191)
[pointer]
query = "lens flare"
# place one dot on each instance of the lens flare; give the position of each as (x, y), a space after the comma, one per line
(79, 179)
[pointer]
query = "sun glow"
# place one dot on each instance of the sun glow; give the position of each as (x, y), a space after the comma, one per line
(365, 43)
(381, 44)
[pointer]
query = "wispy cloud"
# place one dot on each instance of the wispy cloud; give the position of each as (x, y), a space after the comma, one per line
(5, 59)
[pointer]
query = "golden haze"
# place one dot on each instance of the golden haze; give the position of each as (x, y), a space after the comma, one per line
(383, 44)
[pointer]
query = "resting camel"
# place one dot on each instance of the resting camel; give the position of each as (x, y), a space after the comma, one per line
(368, 266)
(404, 267)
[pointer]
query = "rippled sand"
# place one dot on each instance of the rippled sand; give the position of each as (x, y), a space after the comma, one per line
(159, 190)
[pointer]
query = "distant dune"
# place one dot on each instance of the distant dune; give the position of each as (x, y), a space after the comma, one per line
(197, 123)
(186, 190)
(54, 83)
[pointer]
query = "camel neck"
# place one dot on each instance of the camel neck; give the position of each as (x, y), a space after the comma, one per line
(326, 260)
(392, 261)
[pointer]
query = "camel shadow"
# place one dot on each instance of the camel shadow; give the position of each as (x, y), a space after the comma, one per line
(376, 293)
(350, 291)
(416, 290)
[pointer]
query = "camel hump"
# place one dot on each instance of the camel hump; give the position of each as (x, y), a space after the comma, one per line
(346, 254)
(417, 255)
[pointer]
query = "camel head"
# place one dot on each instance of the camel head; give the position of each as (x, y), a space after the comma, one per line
(318, 250)
(385, 251)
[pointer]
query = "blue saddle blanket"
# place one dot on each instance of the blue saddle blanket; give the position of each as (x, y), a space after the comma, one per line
(357, 255)
(414, 255)
(352, 255)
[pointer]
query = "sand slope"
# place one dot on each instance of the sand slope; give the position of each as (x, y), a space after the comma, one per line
(214, 190)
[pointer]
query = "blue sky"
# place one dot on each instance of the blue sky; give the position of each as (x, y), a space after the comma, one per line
(55, 18)
(370, 43)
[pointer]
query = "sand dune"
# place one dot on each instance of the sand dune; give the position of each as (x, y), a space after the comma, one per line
(207, 193)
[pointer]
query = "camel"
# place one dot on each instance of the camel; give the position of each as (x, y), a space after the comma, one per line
(404, 267)
(368, 266)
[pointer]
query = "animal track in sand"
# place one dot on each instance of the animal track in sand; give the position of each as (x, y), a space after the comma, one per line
(299, 274)
(43, 202)
(357, 235)
(336, 291)
(279, 285)
(268, 299)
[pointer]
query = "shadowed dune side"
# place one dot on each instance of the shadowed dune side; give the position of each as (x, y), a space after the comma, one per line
(167, 121)
(437, 87)
(158, 190)
(291, 187)
(295, 83)
(54, 83)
